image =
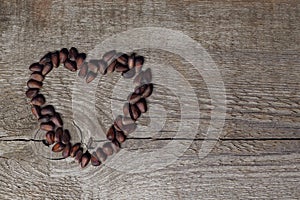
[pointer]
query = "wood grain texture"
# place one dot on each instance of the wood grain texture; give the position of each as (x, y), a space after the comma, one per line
(256, 47)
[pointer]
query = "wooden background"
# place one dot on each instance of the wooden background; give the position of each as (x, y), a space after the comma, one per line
(255, 45)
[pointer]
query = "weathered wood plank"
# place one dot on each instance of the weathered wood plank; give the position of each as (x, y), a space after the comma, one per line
(255, 45)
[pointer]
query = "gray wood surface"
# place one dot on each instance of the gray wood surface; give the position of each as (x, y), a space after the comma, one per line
(255, 45)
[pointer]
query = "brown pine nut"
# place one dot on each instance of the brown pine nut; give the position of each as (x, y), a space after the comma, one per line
(63, 55)
(133, 98)
(111, 67)
(109, 55)
(111, 133)
(80, 60)
(101, 155)
(78, 155)
(129, 74)
(73, 53)
(102, 67)
(121, 68)
(94, 160)
(48, 110)
(37, 76)
(131, 61)
(83, 71)
(47, 68)
(47, 126)
(120, 136)
(85, 159)
(34, 84)
(66, 137)
(58, 134)
(36, 111)
(139, 61)
(66, 150)
(31, 92)
(70, 65)
(50, 137)
(38, 100)
(55, 59)
(148, 90)
(36, 67)
(142, 105)
(58, 147)
(74, 149)
(90, 77)
(56, 119)
(107, 148)
(135, 113)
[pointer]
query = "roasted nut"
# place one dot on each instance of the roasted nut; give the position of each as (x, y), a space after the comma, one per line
(133, 98)
(140, 89)
(63, 55)
(142, 105)
(102, 67)
(126, 109)
(85, 159)
(44, 118)
(74, 149)
(120, 136)
(107, 148)
(36, 111)
(93, 65)
(34, 84)
(66, 137)
(127, 121)
(129, 74)
(121, 68)
(94, 160)
(116, 146)
(47, 68)
(58, 134)
(31, 92)
(47, 126)
(73, 53)
(55, 59)
(147, 76)
(56, 119)
(50, 137)
(101, 155)
(70, 65)
(37, 76)
(138, 80)
(66, 151)
(111, 67)
(139, 61)
(111, 133)
(109, 55)
(38, 100)
(79, 154)
(48, 110)
(46, 58)
(122, 58)
(90, 77)
(131, 61)
(58, 147)
(148, 90)
(134, 112)
(83, 70)
(118, 123)
(129, 128)
(80, 60)
(36, 67)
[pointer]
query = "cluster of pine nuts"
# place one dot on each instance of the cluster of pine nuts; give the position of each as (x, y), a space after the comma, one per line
(51, 121)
